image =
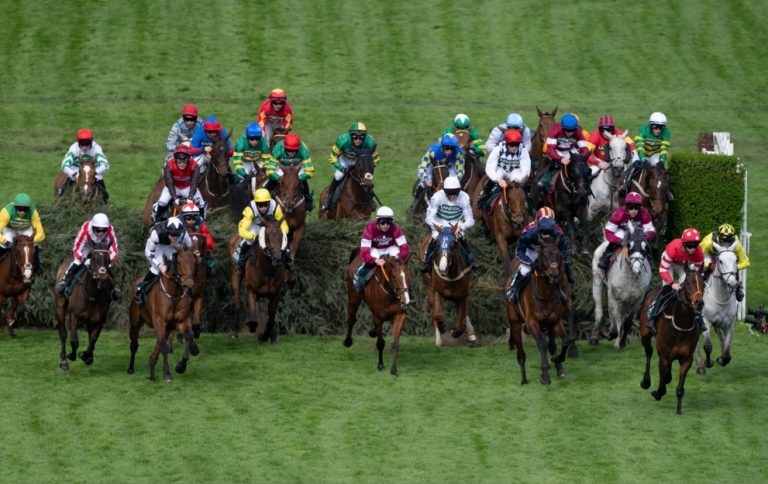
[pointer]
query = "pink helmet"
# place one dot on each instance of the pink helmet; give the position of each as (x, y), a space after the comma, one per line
(633, 197)
(189, 110)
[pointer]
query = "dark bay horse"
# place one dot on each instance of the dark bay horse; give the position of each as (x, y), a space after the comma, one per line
(200, 249)
(168, 310)
(507, 219)
(356, 191)
(85, 188)
(16, 271)
(386, 295)
(418, 208)
(652, 183)
(289, 196)
(542, 310)
(473, 170)
(264, 277)
(214, 187)
(570, 199)
(88, 304)
(449, 280)
(677, 334)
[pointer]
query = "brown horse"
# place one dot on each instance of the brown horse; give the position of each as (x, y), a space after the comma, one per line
(168, 309)
(289, 196)
(387, 297)
(16, 271)
(277, 135)
(652, 183)
(418, 208)
(677, 335)
(85, 183)
(542, 310)
(356, 191)
(539, 139)
(449, 280)
(264, 278)
(200, 249)
(88, 304)
(473, 170)
(214, 187)
(570, 199)
(507, 219)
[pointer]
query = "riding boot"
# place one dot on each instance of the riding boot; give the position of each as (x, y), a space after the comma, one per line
(287, 259)
(739, 290)
(482, 203)
(429, 256)
(331, 192)
(702, 324)
(516, 285)
(417, 194)
(270, 184)
(654, 310)
(160, 213)
(141, 296)
(624, 189)
(36, 267)
(103, 189)
(569, 273)
(605, 259)
(67, 184)
(66, 279)
(307, 195)
(240, 255)
(116, 294)
(210, 268)
(361, 274)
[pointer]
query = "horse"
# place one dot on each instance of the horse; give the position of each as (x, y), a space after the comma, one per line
(356, 191)
(264, 277)
(539, 138)
(387, 296)
(85, 182)
(507, 217)
(276, 135)
(418, 207)
(652, 183)
(168, 310)
(605, 186)
(200, 248)
(449, 279)
(88, 304)
(677, 334)
(291, 199)
(570, 199)
(719, 309)
(214, 187)
(473, 170)
(16, 271)
(626, 281)
(240, 195)
(541, 310)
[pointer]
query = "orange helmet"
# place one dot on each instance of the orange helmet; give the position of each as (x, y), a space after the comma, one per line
(512, 136)
(189, 110)
(84, 134)
(292, 142)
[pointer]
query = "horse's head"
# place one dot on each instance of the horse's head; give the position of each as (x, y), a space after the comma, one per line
(617, 153)
(362, 171)
(98, 267)
(550, 260)
(579, 175)
(86, 178)
(220, 154)
(199, 244)
(637, 248)
(440, 172)
(289, 190)
(546, 121)
(185, 267)
(463, 137)
(656, 187)
(273, 241)
(396, 272)
(514, 204)
(24, 251)
(692, 289)
(726, 268)
(447, 243)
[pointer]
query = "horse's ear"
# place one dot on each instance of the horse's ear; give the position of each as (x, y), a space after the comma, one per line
(625, 133)
(539, 111)
(455, 229)
(554, 111)
(437, 227)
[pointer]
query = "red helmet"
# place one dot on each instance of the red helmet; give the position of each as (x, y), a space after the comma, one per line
(182, 149)
(633, 197)
(292, 142)
(606, 121)
(277, 94)
(512, 136)
(214, 125)
(691, 235)
(189, 110)
(545, 212)
(84, 134)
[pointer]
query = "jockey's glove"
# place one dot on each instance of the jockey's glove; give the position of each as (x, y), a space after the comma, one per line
(303, 177)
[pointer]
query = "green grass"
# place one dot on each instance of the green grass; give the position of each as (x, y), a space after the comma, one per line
(308, 409)
(311, 410)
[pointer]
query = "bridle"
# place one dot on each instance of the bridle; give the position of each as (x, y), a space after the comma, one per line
(399, 294)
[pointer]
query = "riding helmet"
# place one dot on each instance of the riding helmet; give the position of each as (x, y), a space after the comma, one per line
(461, 121)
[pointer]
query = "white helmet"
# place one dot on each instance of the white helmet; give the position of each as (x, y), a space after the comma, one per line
(461, 121)
(451, 183)
(385, 212)
(514, 120)
(173, 227)
(190, 208)
(100, 221)
(658, 118)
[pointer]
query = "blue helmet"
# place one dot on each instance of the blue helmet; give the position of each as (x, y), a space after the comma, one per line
(449, 139)
(514, 120)
(569, 121)
(253, 130)
(547, 226)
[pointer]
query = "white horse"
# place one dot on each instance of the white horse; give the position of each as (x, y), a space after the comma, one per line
(719, 309)
(605, 186)
(626, 283)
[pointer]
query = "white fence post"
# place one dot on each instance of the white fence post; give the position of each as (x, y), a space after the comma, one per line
(741, 308)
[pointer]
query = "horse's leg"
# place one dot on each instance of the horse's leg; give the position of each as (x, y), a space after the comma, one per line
(271, 330)
(94, 330)
(234, 329)
(645, 383)
(558, 360)
(471, 336)
(353, 303)
(708, 345)
(377, 324)
(533, 326)
(665, 365)
(627, 327)
(186, 330)
(165, 348)
(584, 225)
(573, 350)
(74, 342)
(397, 326)
(62, 327)
(154, 356)
(685, 365)
(252, 320)
(133, 333)
(461, 314)
(725, 344)
(614, 315)
(10, 316)
(437, 317)
(597, 296)
(196, 327)
(516, 339)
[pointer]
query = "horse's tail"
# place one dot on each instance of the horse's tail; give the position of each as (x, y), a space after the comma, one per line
(239, 198)
(354, 254)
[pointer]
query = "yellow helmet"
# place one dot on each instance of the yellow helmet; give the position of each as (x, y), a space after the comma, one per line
(726, 230)
(261, 195)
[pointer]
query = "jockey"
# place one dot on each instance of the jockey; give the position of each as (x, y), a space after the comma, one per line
(514, 121)
(652, 143)
(84, 147)
(202, 141)
(251, 151)
(20, 217)
(446, 151)
(275, 113)
(193, 222)
(253, 216)
(291, 151)
(160, 249)
(632, 212)
(462, 122)
(508, 162)
(528, 251)
(724, 239)
(183, 129)
(344, 155)
(677, 254)
(597, 142)
(381, 238)
(97, 230)
(451, 205)
(182, 179)
(564, 142)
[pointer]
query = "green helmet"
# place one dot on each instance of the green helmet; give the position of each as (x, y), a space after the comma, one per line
(22, 200)
(358, 127)
(461, 121)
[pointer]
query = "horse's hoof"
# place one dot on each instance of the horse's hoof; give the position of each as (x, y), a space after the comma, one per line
(585, 251)
(252, 326)
(130, 371)
(441, 327)
(380, 366)
(657, 395)
(348, 341)
(701, 370)
(710, 363)
(561, 372)
(63, 365)
(233, 334)
(181, 366)
(472, 340)
(524, 381)
(263, 337)
(613, 334)
(372, 332)
(168, 378)
(87, 359)
(194, 350)
(593, 341)
(645, 384)
(545, 379)
(71, 356)
(573, 351)
(726, 360)
(196, 331)
(393, 371)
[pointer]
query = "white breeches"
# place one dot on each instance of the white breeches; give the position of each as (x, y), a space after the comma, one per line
(10, 235)
(165, 197)
(678, 274)
(652, 160)
(163, 254)
(203, 161)
(72, 172)
(346, 163)
(279, 170)
(392, 250)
